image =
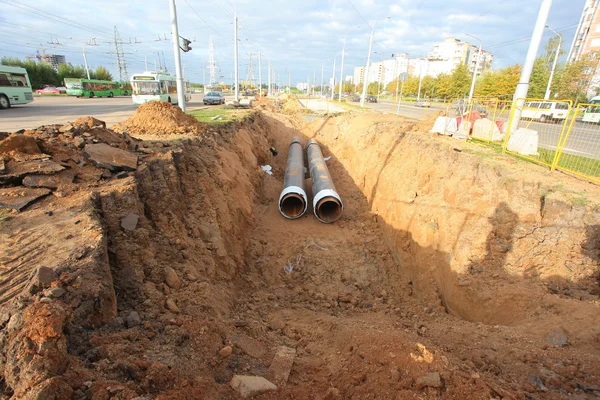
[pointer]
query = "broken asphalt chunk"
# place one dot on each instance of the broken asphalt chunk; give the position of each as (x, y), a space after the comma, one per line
(18, 198)
(112, 158)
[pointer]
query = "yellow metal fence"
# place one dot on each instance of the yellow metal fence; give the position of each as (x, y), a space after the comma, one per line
(555, 134)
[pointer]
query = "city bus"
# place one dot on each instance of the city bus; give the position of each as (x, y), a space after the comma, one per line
(150, 86)
(96, 88)
(15, 87)
(592, 113)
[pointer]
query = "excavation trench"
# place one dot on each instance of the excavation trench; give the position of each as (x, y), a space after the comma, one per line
(433, 247)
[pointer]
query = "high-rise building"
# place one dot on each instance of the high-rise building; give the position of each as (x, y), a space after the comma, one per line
(587, 36)
(53, 59)
(586, 41)
(445, 58)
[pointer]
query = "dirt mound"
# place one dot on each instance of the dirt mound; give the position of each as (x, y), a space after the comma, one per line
(426, 124)
(90, 121)
(160, 118)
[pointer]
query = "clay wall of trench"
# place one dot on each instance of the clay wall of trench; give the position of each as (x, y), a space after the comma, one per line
(485, 241)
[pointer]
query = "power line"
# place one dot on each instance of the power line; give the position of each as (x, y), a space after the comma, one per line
(490, 9)
(359, 14)
(202, 19)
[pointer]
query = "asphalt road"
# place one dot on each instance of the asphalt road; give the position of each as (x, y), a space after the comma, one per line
(47, 110)
(407, 110)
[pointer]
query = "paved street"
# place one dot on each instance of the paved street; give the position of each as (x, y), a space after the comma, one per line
(407, 110)
(58, 110)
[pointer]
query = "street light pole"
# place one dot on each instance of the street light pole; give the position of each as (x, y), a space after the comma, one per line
(547, 96)
(177, 54)
(259, 75)
(342, 65)
(534, 45)
(366, 77)
(476, 67)
(421, 77)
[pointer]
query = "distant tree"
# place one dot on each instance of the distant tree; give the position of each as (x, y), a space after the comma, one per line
(539, 79)
(102, 74)
(575, 81)
(461, 81)
(373, 88)
(444, 86)
(70, 71)
(428, 86)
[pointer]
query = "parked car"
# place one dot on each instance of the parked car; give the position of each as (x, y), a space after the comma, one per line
(423, 103)
(213, 98)
(48, 90)
(371, 99)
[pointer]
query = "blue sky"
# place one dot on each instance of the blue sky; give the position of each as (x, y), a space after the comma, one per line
(298, 37)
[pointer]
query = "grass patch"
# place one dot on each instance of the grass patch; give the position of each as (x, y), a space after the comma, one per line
(206, 115)
(580, 164)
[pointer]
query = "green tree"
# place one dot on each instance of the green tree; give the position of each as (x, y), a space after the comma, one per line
(461, 81)
(373, 88)
(539, 79)
(102, 74)
(428, 86)
(444, 85)
(574, 81)
(70, 71)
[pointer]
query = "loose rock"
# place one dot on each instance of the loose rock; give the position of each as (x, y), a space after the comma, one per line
(172, 305)
(557, 338)
(129, 222)
(432, 379)
(133, 319)
(54, 293)
(248, 386)
(225, 351)
(281, 366)
(332, 394)
(172, 279)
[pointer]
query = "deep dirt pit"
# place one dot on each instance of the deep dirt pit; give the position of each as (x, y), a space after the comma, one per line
(443, 262)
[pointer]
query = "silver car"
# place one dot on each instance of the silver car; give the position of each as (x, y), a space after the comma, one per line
(213, 98)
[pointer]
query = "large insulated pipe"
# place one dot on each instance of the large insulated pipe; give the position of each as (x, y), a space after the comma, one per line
(292, 200)
(327, 203)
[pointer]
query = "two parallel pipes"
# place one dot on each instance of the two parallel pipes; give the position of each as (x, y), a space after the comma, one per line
(293, 201)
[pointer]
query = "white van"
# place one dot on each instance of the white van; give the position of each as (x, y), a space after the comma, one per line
(545, 111)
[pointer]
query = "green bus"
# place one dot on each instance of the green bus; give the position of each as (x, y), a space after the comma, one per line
(96, 88)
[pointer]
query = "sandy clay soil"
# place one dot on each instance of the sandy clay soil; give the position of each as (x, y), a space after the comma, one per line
(162, 269)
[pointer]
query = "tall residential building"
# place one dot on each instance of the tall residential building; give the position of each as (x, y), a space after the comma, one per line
(444, 58)
(53, 59)
(587, 36)
(587, 40)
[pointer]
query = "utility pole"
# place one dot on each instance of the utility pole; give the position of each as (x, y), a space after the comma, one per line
(534, 45)
(342, 64)
(366, 78)
(322, 71)
(476, 67)
(420, 79)
(333, 77)
(547, 96)
(259, 74)
(235, 59)
(269, 74)
(177, 55)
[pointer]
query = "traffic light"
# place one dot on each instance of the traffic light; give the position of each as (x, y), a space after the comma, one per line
(186, 45)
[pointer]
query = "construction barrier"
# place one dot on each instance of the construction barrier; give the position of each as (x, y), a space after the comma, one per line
(536, 129)
(579, 148)
(487, 117)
